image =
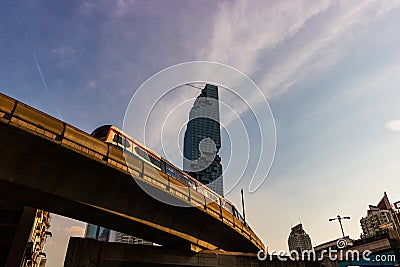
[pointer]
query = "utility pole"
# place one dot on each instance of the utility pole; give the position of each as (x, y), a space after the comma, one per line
(244, 215)
(340, 222)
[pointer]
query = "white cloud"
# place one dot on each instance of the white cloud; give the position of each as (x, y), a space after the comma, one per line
(329, 42)
(245, 28)
(304, 38)
(91, 84)
(63, 51)
(393, 125)
(75, 230)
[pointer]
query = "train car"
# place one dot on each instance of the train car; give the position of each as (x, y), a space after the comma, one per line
(114, 136)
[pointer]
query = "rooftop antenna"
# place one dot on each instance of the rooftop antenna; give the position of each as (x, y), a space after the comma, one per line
(188, 84)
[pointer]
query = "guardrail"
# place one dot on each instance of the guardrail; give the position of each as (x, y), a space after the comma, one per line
(26, 118)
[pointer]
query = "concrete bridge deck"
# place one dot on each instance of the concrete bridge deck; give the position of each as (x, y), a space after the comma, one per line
(48, 164)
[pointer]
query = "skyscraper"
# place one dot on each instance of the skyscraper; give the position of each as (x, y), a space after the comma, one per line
(202, 140)
(299, 240)
(97, 232)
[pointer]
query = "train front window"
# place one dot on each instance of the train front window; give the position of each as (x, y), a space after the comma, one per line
(117, 139)
(122, 141)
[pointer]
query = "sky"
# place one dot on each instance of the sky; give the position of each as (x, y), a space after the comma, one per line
(329, 70)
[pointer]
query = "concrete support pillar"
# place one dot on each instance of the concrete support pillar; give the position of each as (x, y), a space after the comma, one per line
(19, 244)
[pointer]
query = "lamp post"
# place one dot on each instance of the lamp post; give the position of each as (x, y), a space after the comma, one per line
(340, 222)
(244, 215)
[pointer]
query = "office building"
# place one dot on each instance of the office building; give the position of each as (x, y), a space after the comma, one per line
(299, 240)
(381, 219)
(97, 232)
(202, 140)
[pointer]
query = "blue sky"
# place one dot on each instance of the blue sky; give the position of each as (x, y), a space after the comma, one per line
(330, 71)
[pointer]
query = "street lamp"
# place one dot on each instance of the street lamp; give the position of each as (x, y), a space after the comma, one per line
(244, 214)
(340, 221)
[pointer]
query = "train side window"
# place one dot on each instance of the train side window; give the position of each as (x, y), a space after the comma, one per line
(170, 171)
(129, 146)
(155, 161)
(141, 153)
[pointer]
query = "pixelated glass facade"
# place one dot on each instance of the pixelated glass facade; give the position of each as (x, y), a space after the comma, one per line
(97, 232)
(202, 140)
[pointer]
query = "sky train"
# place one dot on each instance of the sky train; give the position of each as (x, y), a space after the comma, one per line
(114, 136)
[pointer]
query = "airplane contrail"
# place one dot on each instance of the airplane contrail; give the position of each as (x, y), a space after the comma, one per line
(40, 72)
(44, 80)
